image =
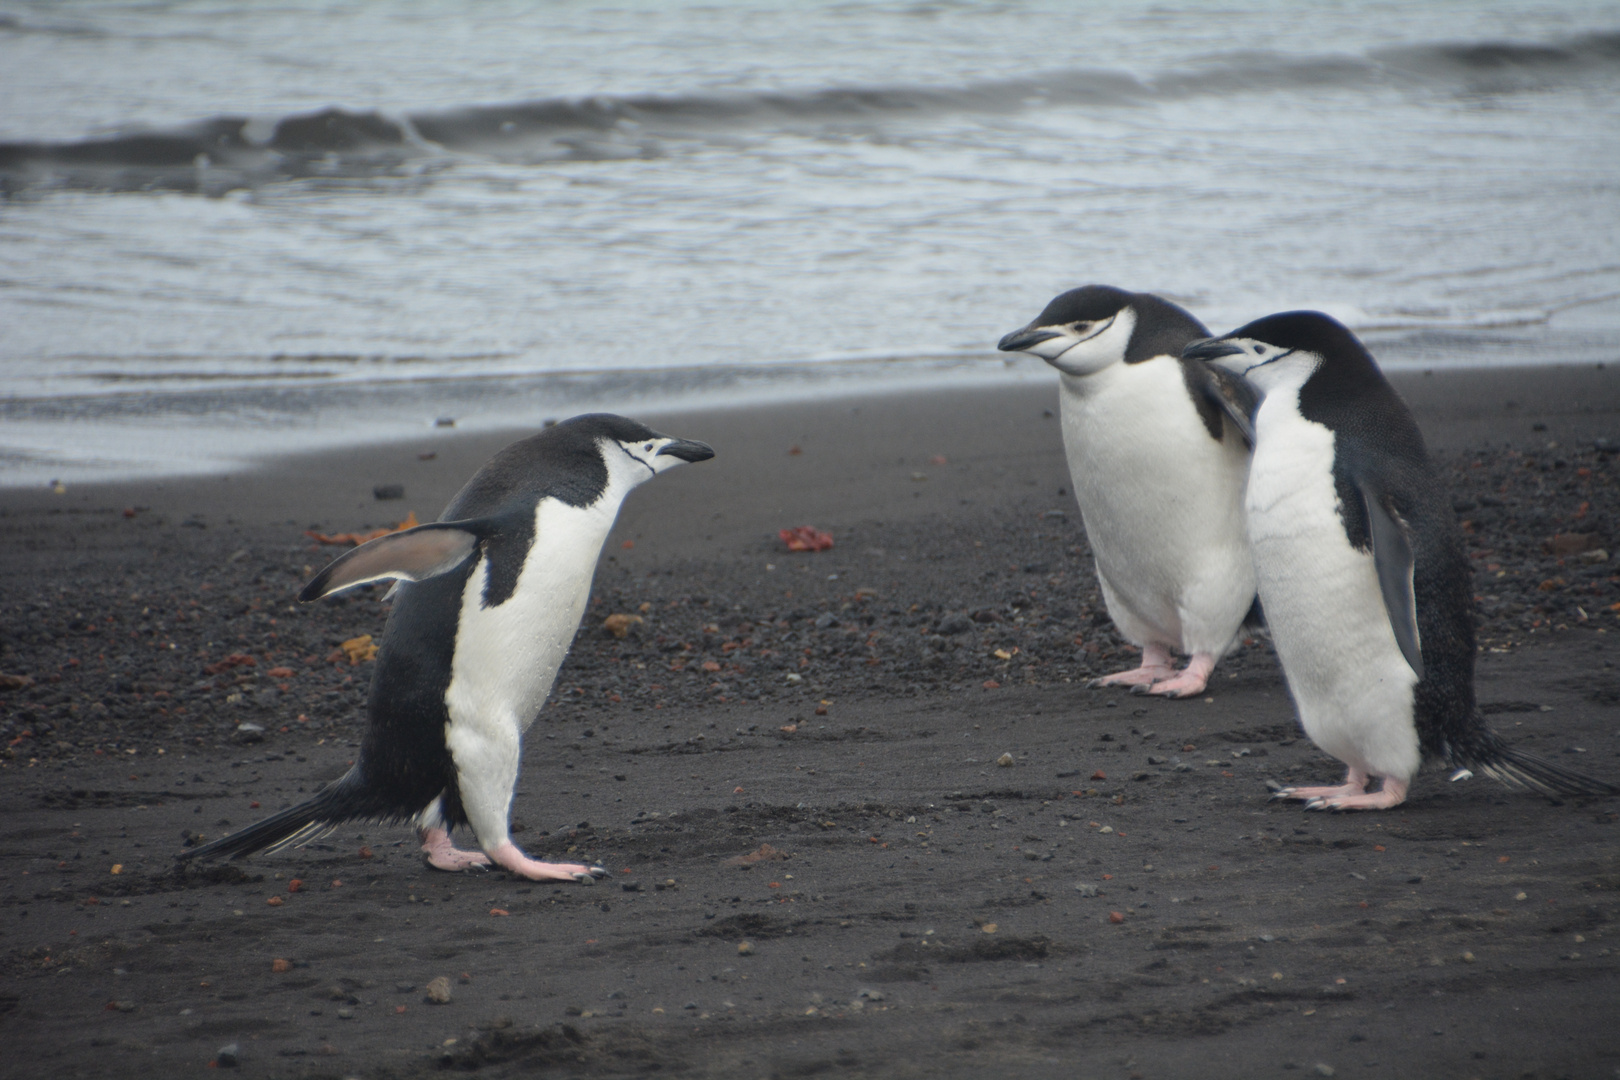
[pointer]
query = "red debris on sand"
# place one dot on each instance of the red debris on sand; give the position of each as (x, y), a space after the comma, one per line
(356, 539)
(235, 659)
(766, 853)
(806, 538)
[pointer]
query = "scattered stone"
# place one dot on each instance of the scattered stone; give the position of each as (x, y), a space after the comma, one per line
(745, 948)
(228, 1055)
(1004, 760)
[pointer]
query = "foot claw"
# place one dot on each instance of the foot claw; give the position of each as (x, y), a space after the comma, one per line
(590, 876)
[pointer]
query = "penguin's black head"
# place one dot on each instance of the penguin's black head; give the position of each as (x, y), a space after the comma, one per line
(1087, 329)
(623, 442)
(1287, 346)
(578, 461)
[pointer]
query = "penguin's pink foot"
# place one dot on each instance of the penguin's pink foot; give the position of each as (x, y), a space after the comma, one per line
(508, 856)
(441, 854)
(1309, 793)
(1189, 682)
(1393, 793)
(1355, 783)
(1155, 667)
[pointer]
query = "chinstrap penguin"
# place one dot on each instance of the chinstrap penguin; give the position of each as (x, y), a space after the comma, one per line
(1367, 590)
(1158, 470)
(488, 599)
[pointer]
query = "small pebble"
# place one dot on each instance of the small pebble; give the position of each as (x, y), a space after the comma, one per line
(228, 1055)
(745, 948)
(345, 1014)
(438, 990)
(1323, 1069)
(1004, 760)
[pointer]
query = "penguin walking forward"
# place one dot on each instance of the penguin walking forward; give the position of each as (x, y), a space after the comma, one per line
(1367, 589)
(1158, 470)
(487, 604)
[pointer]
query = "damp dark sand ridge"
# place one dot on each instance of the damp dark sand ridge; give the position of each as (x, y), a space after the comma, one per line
(1120, 899)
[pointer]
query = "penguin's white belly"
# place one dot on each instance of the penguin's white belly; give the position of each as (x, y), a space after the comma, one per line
(1162, 504)
(507, 656)
(1352, 686)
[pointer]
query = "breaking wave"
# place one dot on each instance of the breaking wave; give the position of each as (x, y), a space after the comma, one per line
(223, 153)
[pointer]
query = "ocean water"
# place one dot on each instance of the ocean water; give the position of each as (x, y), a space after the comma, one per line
(232, 230)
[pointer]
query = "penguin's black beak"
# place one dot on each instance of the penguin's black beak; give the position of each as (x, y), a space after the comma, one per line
(688, 450)
(1210, 349)
(1022, 340)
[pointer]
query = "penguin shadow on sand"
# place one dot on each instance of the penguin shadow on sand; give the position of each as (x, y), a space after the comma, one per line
(1158, 467)
(1360, 566)
(486, 603)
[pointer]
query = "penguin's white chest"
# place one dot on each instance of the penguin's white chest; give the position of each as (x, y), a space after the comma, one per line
(1162, 504)
(1352, 686)
(507, 656)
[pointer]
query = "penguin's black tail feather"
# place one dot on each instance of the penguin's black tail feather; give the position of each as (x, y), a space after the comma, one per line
(1491, 756)
(340, 801)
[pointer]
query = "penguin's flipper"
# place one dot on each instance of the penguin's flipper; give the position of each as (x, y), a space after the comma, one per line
(1392, 555)
(1215, 391)
(412, 554)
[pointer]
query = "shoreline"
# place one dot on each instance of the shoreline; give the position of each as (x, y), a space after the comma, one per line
(1479, 406)
(342, 418)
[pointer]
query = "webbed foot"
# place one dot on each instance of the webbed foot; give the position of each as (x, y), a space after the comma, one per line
(441, 854)
(510, 857)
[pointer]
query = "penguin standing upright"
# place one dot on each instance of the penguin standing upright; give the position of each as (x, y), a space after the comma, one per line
(488, 601)
(1367, 589)
(1158, 471)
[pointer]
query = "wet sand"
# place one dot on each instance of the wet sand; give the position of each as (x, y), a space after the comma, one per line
(829, 875)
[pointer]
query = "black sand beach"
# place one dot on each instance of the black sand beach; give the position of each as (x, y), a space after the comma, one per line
(860, 813)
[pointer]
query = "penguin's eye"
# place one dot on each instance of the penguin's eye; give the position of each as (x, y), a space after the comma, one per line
(648, 448)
